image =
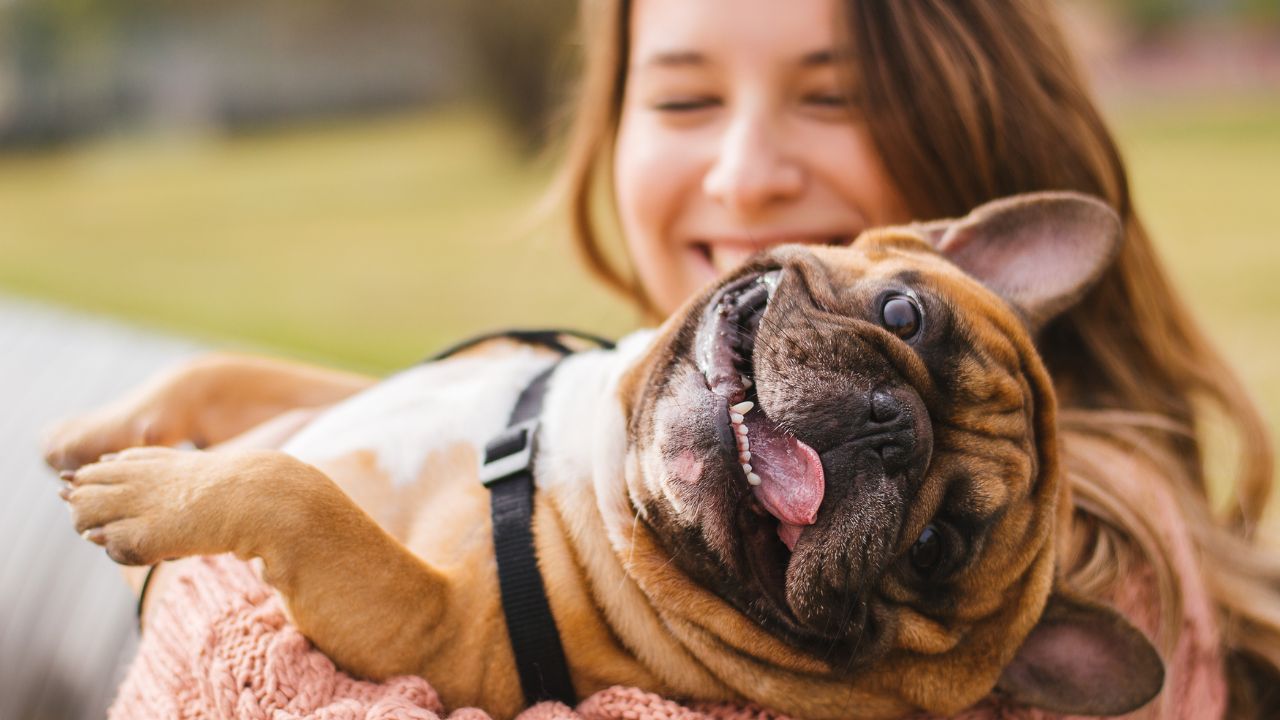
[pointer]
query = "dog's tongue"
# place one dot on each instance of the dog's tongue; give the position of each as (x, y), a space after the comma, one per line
(791, 481)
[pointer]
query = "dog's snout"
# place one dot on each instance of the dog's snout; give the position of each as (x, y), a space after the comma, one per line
(898, 430)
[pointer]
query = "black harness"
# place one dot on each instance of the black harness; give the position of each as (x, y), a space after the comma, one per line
(508, 473)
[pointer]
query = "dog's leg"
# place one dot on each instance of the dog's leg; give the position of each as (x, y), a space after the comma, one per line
(340, 574)
(205, 401)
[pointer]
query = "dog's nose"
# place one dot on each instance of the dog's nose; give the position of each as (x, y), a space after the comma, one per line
(884, 407)
(899, 430)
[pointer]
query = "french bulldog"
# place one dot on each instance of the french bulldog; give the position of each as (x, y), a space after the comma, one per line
(828, 485)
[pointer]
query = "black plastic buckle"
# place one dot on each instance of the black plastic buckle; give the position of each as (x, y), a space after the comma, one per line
(510, 453)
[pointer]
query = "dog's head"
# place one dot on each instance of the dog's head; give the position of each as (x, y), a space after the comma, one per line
(855, 447)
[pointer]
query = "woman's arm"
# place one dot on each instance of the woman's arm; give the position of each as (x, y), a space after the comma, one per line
(206, 401)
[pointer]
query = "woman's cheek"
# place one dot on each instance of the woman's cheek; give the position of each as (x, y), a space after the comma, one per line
(851, 163)
(653, 172)
(656, 177)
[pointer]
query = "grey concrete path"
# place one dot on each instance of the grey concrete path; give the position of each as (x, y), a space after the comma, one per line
(66, 617)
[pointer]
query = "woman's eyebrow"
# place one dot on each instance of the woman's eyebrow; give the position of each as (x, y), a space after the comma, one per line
(674, 58)
(693, 58)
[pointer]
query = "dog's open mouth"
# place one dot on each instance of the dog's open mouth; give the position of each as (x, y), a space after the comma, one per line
(784, 474)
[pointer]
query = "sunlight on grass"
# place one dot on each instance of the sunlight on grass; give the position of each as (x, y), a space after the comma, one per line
(1207, 182)
(366, 244)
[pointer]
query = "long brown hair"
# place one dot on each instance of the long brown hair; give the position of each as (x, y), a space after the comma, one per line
(968, 102)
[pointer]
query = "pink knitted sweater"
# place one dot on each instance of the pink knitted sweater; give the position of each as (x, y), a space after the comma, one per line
(217, 645)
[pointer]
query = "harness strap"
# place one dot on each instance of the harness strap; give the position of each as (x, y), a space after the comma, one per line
(550, 339)
(508, 473)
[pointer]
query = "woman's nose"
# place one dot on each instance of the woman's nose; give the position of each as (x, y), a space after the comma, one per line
(752, 171)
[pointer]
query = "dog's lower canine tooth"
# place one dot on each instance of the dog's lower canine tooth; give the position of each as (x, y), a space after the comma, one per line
(743, 407)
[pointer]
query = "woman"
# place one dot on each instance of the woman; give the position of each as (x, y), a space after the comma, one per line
(731, 126)
(722, 127)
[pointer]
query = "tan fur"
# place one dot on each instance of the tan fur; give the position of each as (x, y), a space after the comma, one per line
(391, 577)
(751, 663)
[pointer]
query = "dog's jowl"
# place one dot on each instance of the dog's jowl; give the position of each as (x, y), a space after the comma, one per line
(827, 485)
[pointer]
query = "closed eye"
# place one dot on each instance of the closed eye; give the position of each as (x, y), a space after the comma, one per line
(685, 105)
(834, 100)
(830, 105)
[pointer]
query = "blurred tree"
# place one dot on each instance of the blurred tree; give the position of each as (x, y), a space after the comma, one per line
(1149, 17)
(51, 48)
(71, 68)
(1152, 17)
(1267, 11)
(75, 68)
(520, 49)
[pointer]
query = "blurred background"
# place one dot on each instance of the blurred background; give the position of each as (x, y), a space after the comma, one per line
(353, 183)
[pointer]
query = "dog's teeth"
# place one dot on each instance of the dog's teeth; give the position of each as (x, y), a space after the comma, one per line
(743, 407)
(741, 429)
(746, 381)
(745, 443)
(736, 417)
(744, 457)
(746, 468)
(753, 478)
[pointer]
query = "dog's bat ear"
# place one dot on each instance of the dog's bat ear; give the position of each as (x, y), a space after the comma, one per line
(1083, 659)
(1039, 251)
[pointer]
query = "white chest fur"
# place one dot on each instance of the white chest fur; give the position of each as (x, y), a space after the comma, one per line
(414, 413)
(405, 418)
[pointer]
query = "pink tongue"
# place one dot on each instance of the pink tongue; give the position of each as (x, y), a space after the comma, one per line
(791, 481)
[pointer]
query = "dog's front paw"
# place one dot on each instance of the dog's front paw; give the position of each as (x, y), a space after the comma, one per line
(143, 504)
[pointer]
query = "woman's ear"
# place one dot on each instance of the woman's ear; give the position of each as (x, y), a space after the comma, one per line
(1039, 251)
(1083, 659)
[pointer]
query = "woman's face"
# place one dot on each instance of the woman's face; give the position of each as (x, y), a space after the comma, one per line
(736, 136)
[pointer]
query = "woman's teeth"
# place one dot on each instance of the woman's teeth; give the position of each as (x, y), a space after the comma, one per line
(737, 414)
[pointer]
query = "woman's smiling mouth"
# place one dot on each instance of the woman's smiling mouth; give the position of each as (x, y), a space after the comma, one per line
(725, 252)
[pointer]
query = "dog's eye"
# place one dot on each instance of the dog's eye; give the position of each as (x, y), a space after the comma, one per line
(901, 316)
(928, 552)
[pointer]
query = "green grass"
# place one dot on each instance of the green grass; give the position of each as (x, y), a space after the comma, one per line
(363, 244)
(368, 244)
(1207, 182)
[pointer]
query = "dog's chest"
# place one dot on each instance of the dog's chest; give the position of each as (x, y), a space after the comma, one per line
(407, 450)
